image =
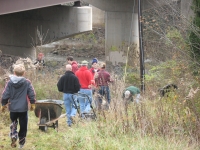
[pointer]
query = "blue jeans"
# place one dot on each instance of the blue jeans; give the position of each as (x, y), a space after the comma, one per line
(104, 91)
(85, 106)
(68, 101)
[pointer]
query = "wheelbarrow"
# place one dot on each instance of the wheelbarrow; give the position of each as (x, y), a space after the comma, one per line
(48, 112)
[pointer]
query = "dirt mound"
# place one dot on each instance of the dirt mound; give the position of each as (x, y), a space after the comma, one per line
(88, 45)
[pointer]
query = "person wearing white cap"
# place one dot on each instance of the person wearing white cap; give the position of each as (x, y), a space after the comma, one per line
(131, 91)
(86, 81)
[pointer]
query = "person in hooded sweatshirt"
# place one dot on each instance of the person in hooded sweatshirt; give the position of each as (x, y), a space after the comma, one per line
(86, 81)
(73, 63)
(17, 95)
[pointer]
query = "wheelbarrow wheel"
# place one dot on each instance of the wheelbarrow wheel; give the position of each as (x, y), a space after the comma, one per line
(42, 122)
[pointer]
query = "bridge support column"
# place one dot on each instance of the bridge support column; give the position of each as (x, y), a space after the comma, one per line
(121, 32)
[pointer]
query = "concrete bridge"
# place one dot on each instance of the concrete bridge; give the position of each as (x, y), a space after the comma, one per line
(19, 20)
(24, 24)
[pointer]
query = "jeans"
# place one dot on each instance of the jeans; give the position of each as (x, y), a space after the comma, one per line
(22, 117)
(85, 106)
(68, 101)
(104, 91)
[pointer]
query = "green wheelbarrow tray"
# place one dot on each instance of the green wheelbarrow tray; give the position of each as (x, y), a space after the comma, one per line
(48, 112)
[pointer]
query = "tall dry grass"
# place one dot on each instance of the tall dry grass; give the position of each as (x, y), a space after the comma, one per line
(155, 123)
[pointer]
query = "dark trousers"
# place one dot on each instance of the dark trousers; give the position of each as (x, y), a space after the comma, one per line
(22, 118)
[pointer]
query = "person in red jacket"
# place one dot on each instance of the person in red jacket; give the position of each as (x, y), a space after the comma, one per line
(39, 63)
(94, 70)
(73, 63)
(85, 79)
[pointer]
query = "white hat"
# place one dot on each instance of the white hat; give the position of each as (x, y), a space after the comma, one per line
(84, 62)
(127, 94)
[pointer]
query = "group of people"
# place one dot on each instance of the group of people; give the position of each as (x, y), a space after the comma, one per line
(84, 81)
(20, 96)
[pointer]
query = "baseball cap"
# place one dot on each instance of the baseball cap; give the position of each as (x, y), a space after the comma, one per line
(84, 62)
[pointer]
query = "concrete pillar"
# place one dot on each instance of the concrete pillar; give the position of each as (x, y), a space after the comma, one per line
(121, 33)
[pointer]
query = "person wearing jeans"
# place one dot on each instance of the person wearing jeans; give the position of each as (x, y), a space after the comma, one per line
(70, 111)
(102, 82)
(86, 80)
(68, 84)
(104, 91)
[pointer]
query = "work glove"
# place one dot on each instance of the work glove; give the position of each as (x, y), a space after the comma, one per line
(3, 108)
(32, 107)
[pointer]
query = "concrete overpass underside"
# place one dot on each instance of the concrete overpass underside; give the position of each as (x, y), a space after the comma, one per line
(21, 32)
(18, 28)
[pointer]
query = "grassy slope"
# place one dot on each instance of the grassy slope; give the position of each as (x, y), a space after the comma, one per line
(91, 135)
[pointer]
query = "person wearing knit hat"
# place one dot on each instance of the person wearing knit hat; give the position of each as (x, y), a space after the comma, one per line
(94, 70)
(94, 60)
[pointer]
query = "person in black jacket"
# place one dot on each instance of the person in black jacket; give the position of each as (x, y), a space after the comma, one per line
(68, 84)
